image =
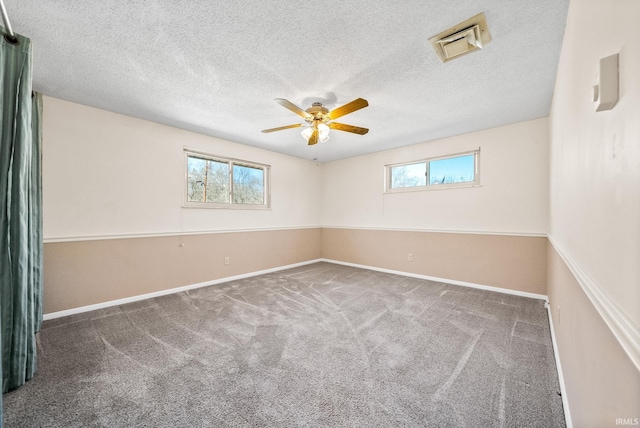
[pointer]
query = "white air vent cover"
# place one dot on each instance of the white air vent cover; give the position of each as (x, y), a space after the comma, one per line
(468, 36)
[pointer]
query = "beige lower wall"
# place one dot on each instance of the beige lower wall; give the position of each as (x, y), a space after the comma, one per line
(82, 273)
(601, 381)
(512, 262)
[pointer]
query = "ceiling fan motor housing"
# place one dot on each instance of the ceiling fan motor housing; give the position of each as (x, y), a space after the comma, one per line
(318, 112)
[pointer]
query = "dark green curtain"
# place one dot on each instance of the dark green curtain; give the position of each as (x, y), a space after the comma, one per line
(20, 214)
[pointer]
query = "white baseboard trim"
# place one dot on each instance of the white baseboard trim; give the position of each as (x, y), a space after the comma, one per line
(623, 328)
(448, 281)
(563, 388)
(131, 299)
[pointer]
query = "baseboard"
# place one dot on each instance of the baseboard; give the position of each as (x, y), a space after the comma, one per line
(131, 299)
(622, 327)
(448, 281)
(556, 353)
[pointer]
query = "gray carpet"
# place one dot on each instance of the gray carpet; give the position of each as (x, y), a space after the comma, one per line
(319, 345)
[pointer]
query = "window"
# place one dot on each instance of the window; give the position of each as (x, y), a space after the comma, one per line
(458, 170)
(217, 182)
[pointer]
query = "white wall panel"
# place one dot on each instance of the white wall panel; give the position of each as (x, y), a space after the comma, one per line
(512, 198)
(105, 174)
(595, 156)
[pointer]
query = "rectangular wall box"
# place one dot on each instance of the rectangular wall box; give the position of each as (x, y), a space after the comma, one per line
(605, 93)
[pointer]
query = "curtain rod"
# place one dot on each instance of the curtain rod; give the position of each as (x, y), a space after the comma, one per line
(5, 18)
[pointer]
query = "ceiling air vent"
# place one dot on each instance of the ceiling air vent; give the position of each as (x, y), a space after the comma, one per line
(468, 36)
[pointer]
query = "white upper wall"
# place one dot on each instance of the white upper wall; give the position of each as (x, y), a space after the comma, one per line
(108, 175)
(595, 157)
(513, 197)
(105, 174)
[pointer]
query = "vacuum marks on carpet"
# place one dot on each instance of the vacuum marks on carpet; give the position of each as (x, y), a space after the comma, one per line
(318, 345)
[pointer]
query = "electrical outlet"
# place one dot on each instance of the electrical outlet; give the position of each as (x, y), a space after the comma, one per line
(410, 257)
(226, 260)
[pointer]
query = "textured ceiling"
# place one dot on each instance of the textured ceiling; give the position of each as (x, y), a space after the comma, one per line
(214, 67)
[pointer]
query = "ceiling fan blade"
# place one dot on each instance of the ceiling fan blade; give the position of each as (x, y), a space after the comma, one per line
(294, 108)
(348, 128)
(297, 125)
(347, 108)
(313, 139)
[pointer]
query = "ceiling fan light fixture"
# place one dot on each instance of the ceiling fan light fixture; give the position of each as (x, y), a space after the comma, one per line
(306, 133)
(323, 132)
(323, 129)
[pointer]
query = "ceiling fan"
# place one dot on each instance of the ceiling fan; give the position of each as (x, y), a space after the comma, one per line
(320, 120)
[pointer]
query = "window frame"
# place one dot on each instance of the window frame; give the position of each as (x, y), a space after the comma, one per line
(266, 203)
(475, 183)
